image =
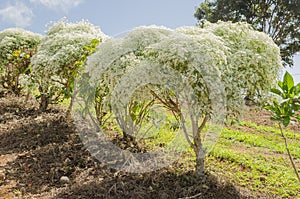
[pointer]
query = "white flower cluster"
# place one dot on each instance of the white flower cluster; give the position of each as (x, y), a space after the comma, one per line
(117, 49)
(13, 39)
(254, 62)
(222, 57)
(63, 46)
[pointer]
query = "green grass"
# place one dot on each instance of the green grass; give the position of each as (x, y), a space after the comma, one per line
(274, 143)
(253, 157)
(246, 154)
(255, 171)
(271, 130)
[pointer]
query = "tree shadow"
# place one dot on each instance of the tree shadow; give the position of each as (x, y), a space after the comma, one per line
(34, 132)
(49, 148)
(43, 142)
(40, 170)
(157, 184)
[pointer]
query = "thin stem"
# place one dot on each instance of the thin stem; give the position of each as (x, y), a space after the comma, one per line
(185, 131)
(203, 123)
(289, 153)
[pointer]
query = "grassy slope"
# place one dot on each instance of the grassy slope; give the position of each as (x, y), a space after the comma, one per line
(251, 154)
(254, 156)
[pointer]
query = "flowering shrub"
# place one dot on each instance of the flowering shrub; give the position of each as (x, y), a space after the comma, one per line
(61, 56)
(194, 72)
(17, 46)
(253, 63)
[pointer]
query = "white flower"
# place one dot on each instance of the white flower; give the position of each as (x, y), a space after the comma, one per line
(55, 63)
(225, 55)
(15, 40)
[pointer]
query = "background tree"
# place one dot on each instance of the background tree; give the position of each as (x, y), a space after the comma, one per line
(280, 19)
(60, 57)
(17, 46)
(214, 66)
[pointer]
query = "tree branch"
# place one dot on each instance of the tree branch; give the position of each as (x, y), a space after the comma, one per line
(185, 130)
(200, 128)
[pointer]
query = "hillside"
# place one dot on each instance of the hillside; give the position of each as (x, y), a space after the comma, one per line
(37, 149)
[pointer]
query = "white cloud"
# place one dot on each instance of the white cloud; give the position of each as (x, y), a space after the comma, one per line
(63, 5)
(18, 14)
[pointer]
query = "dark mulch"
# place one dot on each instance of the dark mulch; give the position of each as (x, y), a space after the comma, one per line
(47, 148)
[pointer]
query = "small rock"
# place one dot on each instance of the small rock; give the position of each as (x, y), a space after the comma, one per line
(205, 187)
(101, 179)
(64, 179)
(67, 161)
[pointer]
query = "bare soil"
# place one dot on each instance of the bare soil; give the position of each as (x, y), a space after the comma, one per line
(37, 149)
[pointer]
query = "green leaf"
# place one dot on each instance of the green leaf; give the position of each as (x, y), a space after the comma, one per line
(286, 121)
(280, 84)
(27, 56)
(298, 117)
(288, 80)
(276, 91)
(38, 96)
(273, 118)
(292, 92)
(297, 89)
(16, 53)
(268, 108)
(295, 107)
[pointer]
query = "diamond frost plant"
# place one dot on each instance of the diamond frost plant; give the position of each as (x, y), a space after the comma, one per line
(60, 57)
(17, 46)
(217, 65)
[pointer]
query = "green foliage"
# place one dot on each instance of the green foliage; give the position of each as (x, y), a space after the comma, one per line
(260, 140)
(287, 108)
(279, 19)
(260, 169)
(271, 129)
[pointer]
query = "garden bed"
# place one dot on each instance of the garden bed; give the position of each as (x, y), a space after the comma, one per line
(37, 149)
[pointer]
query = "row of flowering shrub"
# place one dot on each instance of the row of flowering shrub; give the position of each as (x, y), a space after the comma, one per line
(48, 64)
(205, 69)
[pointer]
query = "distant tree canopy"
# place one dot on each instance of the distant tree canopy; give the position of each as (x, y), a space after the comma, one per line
(278, 18)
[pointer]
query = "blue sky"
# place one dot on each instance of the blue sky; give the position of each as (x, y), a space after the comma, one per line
(112, 16)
